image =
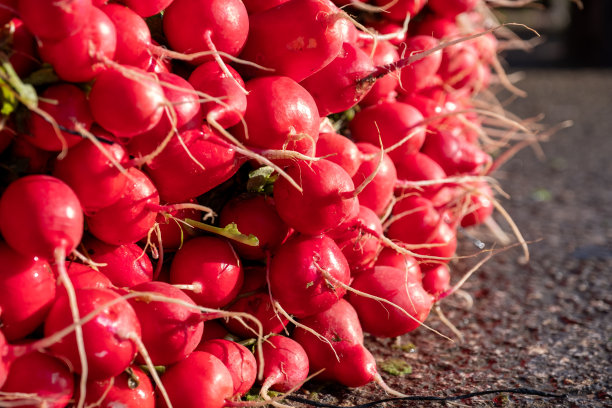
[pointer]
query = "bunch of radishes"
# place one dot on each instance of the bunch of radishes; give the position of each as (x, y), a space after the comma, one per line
(279, 170)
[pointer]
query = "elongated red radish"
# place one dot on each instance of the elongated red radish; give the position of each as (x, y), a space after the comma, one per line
(340, 150)
(132, 389)
(85, 163)
(337, 86)
(170, 331)
(147, 8)
(396, 286)
(49, 20)
(133, 36)
(27, 290)
(280, 114)
(130, 218)
(285, 364)
(378, 193)
(41, 380)
(199, 25)
(67, 104)
(391, 122)
(109, 348)
(212, 267)
(193, 164)
(83, 55)
(260, 306)
(238, 359)
(296, 38)
(200, 380)
(298, 272)
(398, 10)
(327, 200)
(384, 88)
(125, 265)
(418, 74)
(255, 215)
(138, 110)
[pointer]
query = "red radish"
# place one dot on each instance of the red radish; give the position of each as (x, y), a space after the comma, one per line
(404, 262)
(5, 360)
(436, 26)
(182, 174)
(400, 9)
(454, 155)
(238, 359)
(109, 343)
(340, 150)
(170, 332)
(206, 25)
(8, 8)
(280, 114)
(200, 380)
(296, 38)
(126, 265)
(397, 287)
(305, 274)
(211, 80)
(214, 330)
(254, 6)
(480, 206)
(338, 86)
(211, 265)
(392, 30)
(384, 88)
(378, 193)
(285, 364)
(67, 105)
(85, 277)
(173, 232)
(53, 21)
(27, 290)
(130, 218)
(87, 162)
(147, 8)
(418, 74)
(327, 199)
(83, 55)
(419, 167)
(346, 360)
(133, 36)
(255, 215)
(260, 306)
(437, 280)
(23, 56)
(132, 389)
(451, 8)
(42, 381)
(140, 107)
(458, 67)
(392, 122)
(359, 240)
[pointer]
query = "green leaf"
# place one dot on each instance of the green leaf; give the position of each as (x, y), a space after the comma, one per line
(229, 231)
(261, 180)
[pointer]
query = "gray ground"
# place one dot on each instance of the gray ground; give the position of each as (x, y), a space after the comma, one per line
(545, 325)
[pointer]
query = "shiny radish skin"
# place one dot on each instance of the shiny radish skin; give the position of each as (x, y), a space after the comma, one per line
(437, 280)
(285, 364)
(84, 277)
(259, 305)
(405, 262)
(418, 74)
(401, 8)
(132, 389)
(147, 8)
(384, 89)
(340, 150)
(377, 195)
(133, 36)
(53, 21)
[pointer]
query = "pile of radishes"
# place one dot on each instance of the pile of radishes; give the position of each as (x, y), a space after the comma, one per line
(200, 197)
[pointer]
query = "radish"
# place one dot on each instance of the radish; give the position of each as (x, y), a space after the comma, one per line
(23, 56)
(125, 265)
(27, 290)
(132, 389)
(83, 55)
(340, 150)
(85, 277)
(109, 337)
(131, 217)
(418, 167)
(280, 114)
(418, 74)
(147, 8)
(436, 280)
(255, 215)
(383, 53)
(214, 330)
(378, 193)
(295, 39)
(437, 26)
(454, 155)
(172, 230)
(390, 257)
(480, 206)
(458, 67)
(49, 20)
(67, 105)
(396, 286)
(200, 380)
(260, 306)
(398, 10)
(193, 26)
(133, 36)
(39, 380)
(138, 110)
(285, 365)
(212, 269)
(327, 200)
(451, 8)
(254, 6)
(303, 272)
(170, 331)
(238, 359)
(86, 162)
(8, 8)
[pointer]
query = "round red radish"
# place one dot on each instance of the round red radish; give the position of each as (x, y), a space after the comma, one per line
(130, 218)
(200, 380)
(211, 264)
(47, 380)
(451, 8)
(50, 20)
(170, 332)
(85, 277)
(108, 345)
(384, 88)
(133, 36)
(147, 8)
(340, 150)
(305, 274)
(23, 56)
(400, 9)
(173, 232)
(419, 167)
(27, 290)
(397, 287)
(418, 74)
(132, 389)
(327, 199)
(40, 214)
(260, 306)
(238, 359)
(480, 206)
(404, 262)
(437, 279)
(285, 364)
(378, 193)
